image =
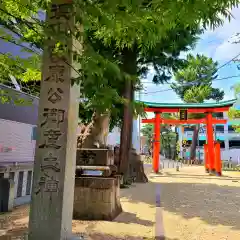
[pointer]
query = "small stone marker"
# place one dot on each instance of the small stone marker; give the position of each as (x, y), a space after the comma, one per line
(55, 156)
(95, 157)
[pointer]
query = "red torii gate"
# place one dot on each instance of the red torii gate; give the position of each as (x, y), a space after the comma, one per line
(212, 150)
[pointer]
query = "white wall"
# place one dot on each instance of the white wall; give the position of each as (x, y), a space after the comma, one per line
(17, 136)
(114, 137)
(24, 198)
(234, 153)
(136, 141)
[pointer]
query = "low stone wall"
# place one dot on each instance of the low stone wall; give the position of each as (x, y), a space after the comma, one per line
(96, 198)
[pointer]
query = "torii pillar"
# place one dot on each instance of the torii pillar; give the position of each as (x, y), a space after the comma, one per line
(156, 143)
(210, 143)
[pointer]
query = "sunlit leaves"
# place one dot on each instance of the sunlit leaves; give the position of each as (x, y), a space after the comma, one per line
(193, 82)
(197, 94)
(234, 113)
(109, 27)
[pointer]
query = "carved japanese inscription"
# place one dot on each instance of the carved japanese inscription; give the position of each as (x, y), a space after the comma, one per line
(59, 16)
(55, 95)
(50, 162)
(47, 183)
(87, 157)
(60, 11)
(52, 137)
(55, 116)
(97, 157)
(56, 74)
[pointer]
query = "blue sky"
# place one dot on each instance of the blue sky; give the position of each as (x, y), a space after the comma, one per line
(216, 44)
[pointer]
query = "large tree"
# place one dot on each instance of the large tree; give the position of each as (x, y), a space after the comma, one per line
(103, 68)
(193, 84)
(117, 22)
(123, 28)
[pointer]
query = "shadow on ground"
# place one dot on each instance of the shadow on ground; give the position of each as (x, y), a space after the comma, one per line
(224, 178)
(211, 203)
(16, 226)
(127, 217)
(99, 236)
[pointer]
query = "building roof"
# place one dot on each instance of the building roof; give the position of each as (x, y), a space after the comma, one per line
(17, 112)
(189, 105)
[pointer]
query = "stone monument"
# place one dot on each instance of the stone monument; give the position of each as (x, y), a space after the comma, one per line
(55, 156)
(96, 197)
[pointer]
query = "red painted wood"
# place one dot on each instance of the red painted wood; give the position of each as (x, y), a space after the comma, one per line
(210, 142)
(189, 121)
(190, 110)
(206, 157)
(156, 144)
(218, 164)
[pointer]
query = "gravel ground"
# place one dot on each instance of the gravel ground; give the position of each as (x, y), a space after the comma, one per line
(190, 206)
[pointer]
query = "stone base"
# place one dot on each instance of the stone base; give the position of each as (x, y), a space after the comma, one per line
(137, 168)
(212, 172)
(96, 198)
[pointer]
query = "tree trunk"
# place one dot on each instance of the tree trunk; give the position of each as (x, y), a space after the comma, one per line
(128, 163)
(130, 67)
(194, 142)
(128, 173)
(98, 133)
(125, 131)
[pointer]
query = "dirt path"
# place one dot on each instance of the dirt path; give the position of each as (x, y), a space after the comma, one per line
(190, 206)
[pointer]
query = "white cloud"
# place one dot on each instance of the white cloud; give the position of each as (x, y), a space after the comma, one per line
(213, 43)
(217, 43)
(226, 49)
(227, 29)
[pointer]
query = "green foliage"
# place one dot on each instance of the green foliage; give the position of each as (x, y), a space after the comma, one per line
(165, 56)
(236, 89)
(159, 29)
(197, 94)
(20, 26)
(123, 20)
(193, 82)
(235, 113)
(147, 131)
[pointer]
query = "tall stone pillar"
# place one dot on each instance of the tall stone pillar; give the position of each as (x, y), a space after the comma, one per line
(55, 156)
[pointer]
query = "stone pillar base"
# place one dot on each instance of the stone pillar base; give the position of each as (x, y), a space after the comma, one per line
(96, 198)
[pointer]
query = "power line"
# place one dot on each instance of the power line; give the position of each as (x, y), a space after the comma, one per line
(189, 84)
(225, 64)
(193, 82)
